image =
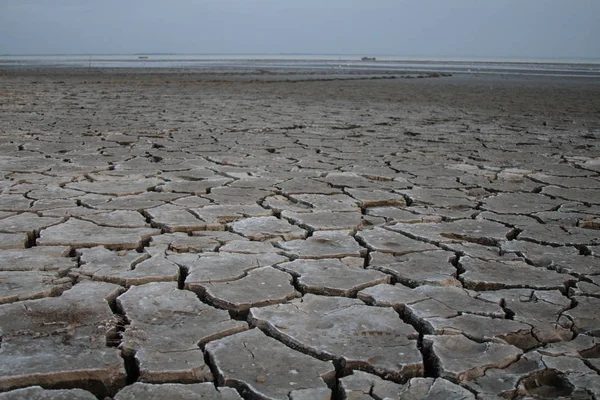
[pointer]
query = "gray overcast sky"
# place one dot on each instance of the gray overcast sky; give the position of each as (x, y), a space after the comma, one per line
(428, 28)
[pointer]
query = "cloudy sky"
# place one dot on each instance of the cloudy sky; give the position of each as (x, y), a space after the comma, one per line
(427, 28)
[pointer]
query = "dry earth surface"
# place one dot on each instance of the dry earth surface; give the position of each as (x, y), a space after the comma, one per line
(182, 236)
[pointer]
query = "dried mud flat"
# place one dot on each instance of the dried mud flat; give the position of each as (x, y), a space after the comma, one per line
(187, 236)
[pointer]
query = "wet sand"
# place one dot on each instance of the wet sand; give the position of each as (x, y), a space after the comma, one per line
(290, 235)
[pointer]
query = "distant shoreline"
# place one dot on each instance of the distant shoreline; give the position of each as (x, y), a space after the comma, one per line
(306, 65)
(309, 56)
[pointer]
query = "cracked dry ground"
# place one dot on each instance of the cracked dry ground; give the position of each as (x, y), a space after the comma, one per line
(177, 237)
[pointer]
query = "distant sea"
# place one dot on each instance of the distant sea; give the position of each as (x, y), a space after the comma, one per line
(309, 63)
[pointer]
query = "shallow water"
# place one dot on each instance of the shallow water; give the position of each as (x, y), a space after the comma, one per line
(283, 64)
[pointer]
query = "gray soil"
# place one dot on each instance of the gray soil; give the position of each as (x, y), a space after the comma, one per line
(184, 235)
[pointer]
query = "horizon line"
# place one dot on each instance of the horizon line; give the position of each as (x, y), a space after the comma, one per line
(306, 54)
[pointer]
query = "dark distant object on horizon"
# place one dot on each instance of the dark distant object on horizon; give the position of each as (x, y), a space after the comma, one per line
(368, 58)
(143, 57)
